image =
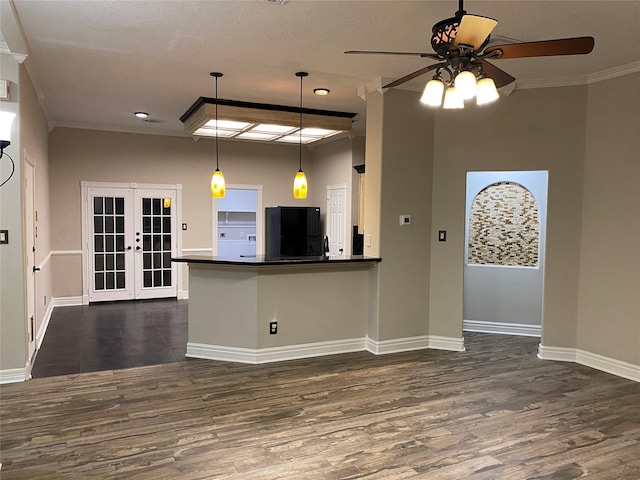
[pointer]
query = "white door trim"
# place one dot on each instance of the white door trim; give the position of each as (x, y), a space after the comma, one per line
(29, 202)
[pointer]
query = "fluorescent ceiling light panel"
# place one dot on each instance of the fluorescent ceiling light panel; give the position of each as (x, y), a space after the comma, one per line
(274, 129)
(262, 122)
(211, 132)
(227, 124)
(318, 132)
(296, 139)
(257, 136)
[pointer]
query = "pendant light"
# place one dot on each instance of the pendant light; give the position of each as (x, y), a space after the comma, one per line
(218, 187)
(300, 182)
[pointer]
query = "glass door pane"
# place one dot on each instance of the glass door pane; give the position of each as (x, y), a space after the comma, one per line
(110, 244)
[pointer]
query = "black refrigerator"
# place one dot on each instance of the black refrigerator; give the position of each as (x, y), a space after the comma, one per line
(293, 232)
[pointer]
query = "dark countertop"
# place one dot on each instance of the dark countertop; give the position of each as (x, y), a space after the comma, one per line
(279, 261)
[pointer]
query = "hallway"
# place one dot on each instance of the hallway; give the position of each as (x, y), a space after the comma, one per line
(110, 336)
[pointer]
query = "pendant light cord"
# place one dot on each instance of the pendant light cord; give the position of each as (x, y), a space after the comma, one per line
(216, 77)
(300, 130)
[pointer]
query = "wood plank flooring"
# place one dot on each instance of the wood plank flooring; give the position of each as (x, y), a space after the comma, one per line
(492, 412)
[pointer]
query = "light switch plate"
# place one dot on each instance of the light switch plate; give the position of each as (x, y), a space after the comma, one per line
(4, 236)
(4, 90)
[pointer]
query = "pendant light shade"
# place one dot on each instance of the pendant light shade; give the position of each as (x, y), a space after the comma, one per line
(300, 185)
(218, 188)
(300, 182)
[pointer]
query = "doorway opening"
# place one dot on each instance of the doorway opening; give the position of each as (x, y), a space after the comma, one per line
(505, 231)
(238, 222)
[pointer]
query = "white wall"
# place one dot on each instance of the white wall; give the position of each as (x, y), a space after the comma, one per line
(505, 294)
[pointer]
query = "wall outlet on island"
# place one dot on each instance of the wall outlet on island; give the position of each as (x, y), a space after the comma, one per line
(273, 328)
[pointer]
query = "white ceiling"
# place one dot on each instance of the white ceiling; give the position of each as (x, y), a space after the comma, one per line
(95, 62)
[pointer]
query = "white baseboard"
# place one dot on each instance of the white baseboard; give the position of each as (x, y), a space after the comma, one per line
(273, 354)
(382, 347)
(67, 301)
(560, 354)
(446, 343)
(593, 360)
(309, 350)
(45, 324)
(525, 330)
(183, 294)
(14, 375)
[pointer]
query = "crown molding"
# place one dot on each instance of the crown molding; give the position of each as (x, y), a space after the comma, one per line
(602, 75)
(19, 57)
(613, 72)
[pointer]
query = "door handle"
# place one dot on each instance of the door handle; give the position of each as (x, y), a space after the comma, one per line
(138, 247)
(36, 269)
(129, 247)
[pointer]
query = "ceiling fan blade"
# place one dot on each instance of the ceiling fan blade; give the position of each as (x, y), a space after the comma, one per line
(473, 30)
(545, 48)
(411, 54)
(413, 75)
(499, 77)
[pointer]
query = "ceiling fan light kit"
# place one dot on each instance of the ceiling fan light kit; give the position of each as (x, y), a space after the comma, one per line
(458, 43)
(433, 91)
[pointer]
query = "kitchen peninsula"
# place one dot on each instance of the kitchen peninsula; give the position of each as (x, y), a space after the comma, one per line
(316, 305)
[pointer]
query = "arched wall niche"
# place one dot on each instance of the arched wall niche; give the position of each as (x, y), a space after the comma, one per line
(504, 226)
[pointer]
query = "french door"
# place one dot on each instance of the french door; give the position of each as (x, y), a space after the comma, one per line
(131, 238)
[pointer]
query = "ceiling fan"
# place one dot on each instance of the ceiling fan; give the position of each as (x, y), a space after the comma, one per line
(460, 46)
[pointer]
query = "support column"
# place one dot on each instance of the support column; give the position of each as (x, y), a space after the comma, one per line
(399, 165)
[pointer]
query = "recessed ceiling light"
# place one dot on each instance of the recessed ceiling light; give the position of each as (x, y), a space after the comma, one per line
(321, 91)
(141, 114)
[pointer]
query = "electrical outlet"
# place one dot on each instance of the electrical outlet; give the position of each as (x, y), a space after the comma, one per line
(273, 328)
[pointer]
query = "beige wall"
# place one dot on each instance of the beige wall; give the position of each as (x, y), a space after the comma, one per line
(96, 156)
(609, 299)
(34, 142)
(540, 129)
(13, 340)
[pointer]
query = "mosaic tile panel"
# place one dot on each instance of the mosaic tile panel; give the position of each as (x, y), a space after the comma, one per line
(504, 226)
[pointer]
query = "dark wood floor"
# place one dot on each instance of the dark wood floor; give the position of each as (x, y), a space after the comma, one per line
(492, 412)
